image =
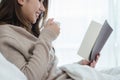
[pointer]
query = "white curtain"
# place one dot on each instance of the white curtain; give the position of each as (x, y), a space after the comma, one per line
(114, 19)
(111, 51)
(75, 16)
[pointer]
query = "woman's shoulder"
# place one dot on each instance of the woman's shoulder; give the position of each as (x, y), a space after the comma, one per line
(12, 29)
(8, 30)
(9, 27)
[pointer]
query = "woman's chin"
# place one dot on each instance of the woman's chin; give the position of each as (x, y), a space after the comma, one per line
(34, 21)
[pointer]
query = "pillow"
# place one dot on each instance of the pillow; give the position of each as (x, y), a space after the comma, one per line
(9, 71)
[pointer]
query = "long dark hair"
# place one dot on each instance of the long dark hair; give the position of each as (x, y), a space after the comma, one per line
(10, 13)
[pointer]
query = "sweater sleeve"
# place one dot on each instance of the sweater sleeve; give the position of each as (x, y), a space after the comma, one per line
(35, 68)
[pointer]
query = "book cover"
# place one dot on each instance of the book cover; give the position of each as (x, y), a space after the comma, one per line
(94, 40)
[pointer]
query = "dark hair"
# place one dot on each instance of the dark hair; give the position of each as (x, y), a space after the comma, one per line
(10, 13)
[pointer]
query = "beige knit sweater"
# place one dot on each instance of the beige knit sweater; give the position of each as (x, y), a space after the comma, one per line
(33, 56)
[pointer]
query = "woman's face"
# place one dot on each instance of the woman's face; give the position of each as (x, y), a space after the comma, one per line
(31, 9)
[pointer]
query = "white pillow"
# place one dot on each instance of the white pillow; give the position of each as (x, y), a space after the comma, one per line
(9, 71)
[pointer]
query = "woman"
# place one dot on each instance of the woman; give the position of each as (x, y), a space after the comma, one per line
(24, 44)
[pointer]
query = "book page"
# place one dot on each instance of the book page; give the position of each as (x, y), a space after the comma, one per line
(94, 40)
(89, 39)
(101, 39)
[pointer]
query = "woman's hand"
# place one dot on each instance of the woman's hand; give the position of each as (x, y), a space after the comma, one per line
(90, 63)
(93, 63)
(52, 25)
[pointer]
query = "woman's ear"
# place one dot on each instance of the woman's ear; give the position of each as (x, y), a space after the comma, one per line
(21, 2)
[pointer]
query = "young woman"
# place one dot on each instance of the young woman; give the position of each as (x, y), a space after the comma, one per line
(24, 44)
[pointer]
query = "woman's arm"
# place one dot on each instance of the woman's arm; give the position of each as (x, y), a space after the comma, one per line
(33, 61)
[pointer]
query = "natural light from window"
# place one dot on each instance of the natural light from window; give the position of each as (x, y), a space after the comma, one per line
(75, 17)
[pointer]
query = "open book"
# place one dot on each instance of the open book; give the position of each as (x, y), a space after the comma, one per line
(94, 40)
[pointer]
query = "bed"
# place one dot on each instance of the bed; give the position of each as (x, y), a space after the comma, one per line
(80, 72)
(9, 71)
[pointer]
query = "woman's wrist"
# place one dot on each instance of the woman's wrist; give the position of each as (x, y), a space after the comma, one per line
(48, 34)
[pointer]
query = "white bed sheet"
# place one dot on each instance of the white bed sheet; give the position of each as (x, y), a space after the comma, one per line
(9, 71)
(80, 72)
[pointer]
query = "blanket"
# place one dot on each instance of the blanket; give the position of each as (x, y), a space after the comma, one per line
(83, 72)
(9, 71)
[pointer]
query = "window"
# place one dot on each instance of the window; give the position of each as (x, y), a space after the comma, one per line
(75, 16)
